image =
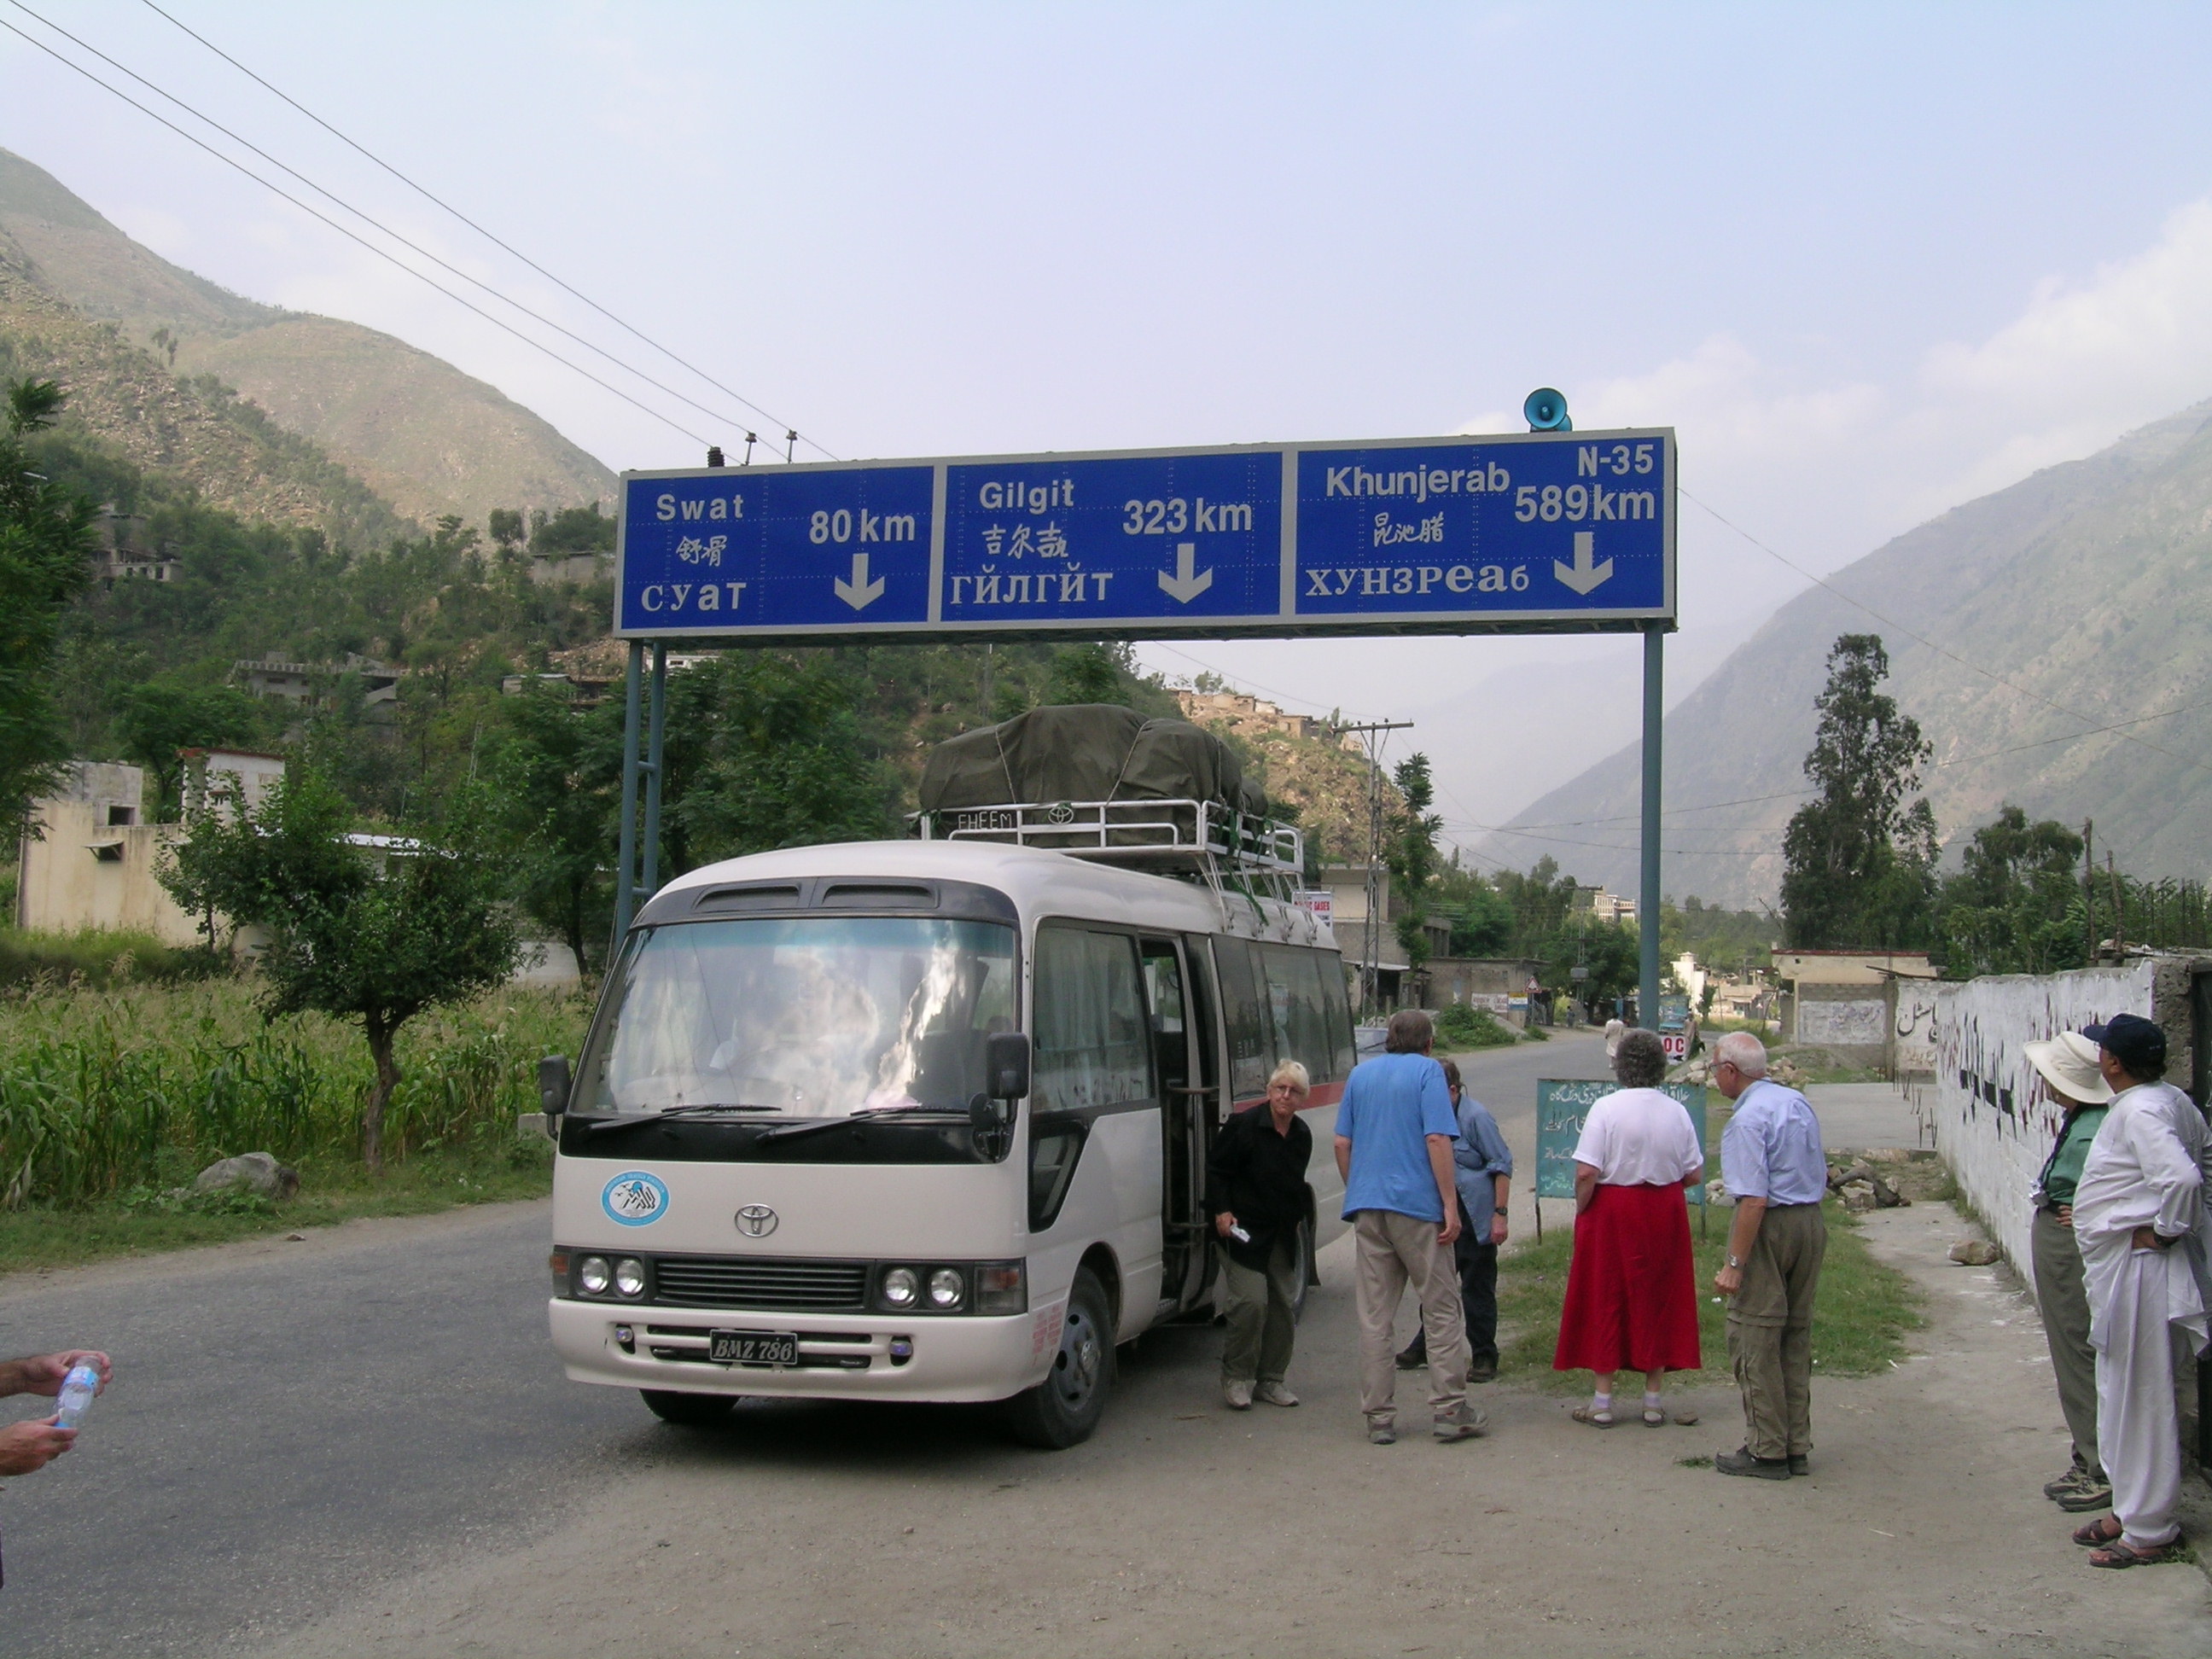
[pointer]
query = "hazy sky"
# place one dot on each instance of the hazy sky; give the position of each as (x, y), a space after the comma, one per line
(1869, 261)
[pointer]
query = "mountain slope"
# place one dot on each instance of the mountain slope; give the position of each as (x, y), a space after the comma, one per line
(2085, 586)
(193, 432)
(420, 433)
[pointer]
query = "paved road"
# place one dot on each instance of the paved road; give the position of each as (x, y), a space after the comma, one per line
(293, 1420)
(299, 1421)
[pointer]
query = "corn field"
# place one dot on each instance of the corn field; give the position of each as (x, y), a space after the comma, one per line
(105, 1092)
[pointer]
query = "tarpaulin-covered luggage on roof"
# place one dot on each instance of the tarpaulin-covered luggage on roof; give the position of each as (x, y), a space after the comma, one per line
(1085, 752)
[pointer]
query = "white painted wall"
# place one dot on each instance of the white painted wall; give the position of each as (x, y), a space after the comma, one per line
(1994, 1121)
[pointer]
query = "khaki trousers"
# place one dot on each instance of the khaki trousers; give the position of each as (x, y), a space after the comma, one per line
(1394, 1252)
(1769, 1331)
(1262, 1323)
(2064, 1305)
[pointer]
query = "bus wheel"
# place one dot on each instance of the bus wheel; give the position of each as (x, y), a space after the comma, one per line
(694, 1411)
(1306, 1273)
(1065, 1407)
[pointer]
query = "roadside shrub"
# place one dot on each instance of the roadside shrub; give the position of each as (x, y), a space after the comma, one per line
(99, 958)
(1460, 1026)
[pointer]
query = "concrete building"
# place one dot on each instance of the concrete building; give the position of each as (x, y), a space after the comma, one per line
(1254, 717)
(1375, 945)
(91, 861)
(304, 683)
(1848, 1001)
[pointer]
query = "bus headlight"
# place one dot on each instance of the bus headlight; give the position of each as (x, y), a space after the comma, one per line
(629, 1276)
(901, 1287)
(593, 1275)
(946, 1288)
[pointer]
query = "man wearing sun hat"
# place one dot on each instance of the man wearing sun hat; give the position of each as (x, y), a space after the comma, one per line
(2139, 1214)
(2067, 1065)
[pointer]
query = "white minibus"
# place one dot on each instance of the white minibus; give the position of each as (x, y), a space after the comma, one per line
(929, 1120)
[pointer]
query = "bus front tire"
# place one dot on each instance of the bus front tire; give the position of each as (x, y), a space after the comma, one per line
(692, 1411)
(1062, 1410)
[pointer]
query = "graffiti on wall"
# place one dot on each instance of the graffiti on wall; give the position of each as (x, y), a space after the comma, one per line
(1913, 1040)
(1854, 1024)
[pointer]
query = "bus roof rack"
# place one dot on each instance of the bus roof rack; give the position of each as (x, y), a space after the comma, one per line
(1200, 840)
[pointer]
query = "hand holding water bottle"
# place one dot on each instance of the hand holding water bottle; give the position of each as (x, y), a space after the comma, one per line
(32, 1445)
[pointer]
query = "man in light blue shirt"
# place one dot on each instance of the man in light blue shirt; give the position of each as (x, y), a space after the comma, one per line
(1394, 1131)
(1777, 1174)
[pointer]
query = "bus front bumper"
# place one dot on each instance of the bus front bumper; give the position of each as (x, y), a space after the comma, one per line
(847, 1357)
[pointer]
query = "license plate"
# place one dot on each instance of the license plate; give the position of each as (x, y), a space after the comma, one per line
(753, 1348)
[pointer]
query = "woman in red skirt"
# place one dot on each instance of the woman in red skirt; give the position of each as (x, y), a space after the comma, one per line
(1631, 1291)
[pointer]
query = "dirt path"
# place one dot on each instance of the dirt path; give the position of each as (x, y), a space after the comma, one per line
(1184, 1529)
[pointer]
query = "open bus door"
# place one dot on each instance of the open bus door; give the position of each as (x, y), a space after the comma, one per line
(1186, 1063)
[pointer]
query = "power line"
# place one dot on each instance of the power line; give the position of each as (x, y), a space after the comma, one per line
(355, 236)
(495, 242)
(369, 219)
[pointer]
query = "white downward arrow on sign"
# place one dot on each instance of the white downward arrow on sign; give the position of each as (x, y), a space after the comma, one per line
(1581, 575)
(1184, 586)
(859, 593)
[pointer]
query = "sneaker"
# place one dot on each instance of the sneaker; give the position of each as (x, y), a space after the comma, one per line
(1274, 1394)
(2092, 1495)
(1238, 1396)
(1412, 1359)
(1464, 1425)
(1382, 1434)
(1741, 1461)
(1800, 1464)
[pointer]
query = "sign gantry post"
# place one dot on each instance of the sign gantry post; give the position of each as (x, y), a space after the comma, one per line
(1548, 531)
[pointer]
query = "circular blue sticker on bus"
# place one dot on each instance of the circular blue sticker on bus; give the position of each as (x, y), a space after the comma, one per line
(634, 1199)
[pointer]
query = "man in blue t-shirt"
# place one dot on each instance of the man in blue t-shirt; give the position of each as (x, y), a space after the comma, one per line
(1394, 1145)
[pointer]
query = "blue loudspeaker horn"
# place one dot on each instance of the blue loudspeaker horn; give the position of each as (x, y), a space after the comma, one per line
(1546, 411)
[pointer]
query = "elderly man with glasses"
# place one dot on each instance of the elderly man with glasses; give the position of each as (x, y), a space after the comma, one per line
(1777, 1173)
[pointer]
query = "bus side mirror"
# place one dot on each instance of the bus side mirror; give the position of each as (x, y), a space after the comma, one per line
(1006, 1065)
(553, 1085)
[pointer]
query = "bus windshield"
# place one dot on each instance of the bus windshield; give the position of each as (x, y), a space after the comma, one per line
(810, 1016)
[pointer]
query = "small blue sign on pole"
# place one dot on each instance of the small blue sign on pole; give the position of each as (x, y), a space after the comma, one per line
(1536, 532)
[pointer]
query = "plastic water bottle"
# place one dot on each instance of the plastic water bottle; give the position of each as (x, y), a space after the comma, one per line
(77, 1390)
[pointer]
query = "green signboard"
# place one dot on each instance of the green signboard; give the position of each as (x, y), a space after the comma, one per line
(1561, 1106)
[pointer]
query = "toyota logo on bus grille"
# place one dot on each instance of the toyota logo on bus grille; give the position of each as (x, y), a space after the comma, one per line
(756, 1221)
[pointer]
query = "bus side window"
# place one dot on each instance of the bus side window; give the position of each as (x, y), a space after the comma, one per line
(1093, 1038)
(1336, 1010)
(1294, 1002)
(1251, 1049)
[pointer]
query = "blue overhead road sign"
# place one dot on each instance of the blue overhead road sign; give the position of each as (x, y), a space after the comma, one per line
(1547, 531)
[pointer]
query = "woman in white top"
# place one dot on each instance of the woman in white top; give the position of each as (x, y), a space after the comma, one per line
(1632, 1301)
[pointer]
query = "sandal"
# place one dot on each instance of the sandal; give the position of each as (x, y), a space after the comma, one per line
(2105, 1529)
(2119, 1555)
(1591, 1415)
(1655, 1420)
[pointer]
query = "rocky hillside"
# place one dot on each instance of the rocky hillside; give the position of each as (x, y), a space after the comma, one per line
(1300, 762)
(2085, 587)
(231, 453)
(424, 436)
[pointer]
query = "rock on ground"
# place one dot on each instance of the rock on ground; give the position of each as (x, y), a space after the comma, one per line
(255, 1172)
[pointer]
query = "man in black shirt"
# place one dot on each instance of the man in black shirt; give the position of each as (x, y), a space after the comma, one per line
(1256, 1190)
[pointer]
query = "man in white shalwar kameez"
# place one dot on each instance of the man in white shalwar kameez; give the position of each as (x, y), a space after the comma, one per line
(2145, 1239)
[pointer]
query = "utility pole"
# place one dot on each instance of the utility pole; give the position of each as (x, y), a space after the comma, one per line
(2089, 889)
(1378, 888)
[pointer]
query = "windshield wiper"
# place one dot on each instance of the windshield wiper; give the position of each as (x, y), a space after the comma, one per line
(693, 1110)
(790, 1131)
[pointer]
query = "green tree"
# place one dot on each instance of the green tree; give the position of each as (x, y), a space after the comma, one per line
(1540, 900)
(164, 717)
(556, 778)
(1087, 673)
(1481, 919)
(1411, 853)
(2015, 907)
(46, 545)
(778, 763)
(1858, 862)
(1606, 949)
(371, 935)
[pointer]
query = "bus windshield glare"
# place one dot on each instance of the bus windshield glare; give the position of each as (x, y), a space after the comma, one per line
(804, 1017)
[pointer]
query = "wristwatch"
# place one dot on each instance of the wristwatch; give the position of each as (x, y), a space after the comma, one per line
(1736, 1261)
(1500, 1209)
